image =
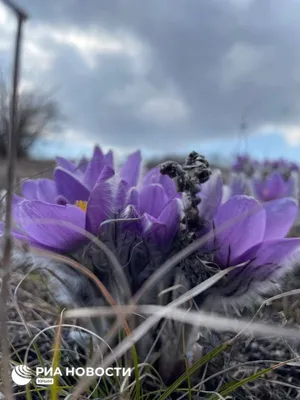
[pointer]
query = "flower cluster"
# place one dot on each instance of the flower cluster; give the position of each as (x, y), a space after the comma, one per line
(84, 196)
(248, 165)
(146, 218)
(268, 180)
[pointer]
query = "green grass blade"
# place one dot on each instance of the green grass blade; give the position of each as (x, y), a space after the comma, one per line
(232, 386)
(204, 360)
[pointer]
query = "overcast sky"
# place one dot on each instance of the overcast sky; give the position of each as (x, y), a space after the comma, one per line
(165, 75)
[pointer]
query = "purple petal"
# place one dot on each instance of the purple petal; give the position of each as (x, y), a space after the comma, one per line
(130, 171)
(108, 159)
(53, 235)
(153, 229)
(39, 189)
(16, 199)
(100, 206)
(16, 234)
(97, 154)
(153, 199)
(22, 237)
(211, 196)
(82, 164)
(169, 185)
(93, 169)
(280, 216)
(129, 213)
(29, 188)
(67, 165)
(46, 190)
(122, 193)
(154, 176)
(244, 233)
(170, 217)
(106, 173)
(269, 261)
(133, 198)
(69, 186)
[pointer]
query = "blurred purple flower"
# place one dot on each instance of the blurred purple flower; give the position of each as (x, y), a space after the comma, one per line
(245, 164)
(273, 186)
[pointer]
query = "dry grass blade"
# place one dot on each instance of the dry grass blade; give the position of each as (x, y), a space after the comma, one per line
(197, 318)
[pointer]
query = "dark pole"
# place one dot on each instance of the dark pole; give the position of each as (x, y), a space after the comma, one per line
(7, 249)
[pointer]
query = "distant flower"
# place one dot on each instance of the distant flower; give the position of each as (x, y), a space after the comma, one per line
(273, 186)
(245, 164)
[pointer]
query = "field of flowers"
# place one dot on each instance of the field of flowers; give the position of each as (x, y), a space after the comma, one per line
(189, 281)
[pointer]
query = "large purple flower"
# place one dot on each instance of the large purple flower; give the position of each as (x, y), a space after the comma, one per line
(32, 217)
(88, 197)
(256, 238)
(72, 182)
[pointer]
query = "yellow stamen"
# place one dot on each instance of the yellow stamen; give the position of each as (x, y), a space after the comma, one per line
(81, 204)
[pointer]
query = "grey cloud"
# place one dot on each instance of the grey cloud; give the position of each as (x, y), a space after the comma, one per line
(222, 59)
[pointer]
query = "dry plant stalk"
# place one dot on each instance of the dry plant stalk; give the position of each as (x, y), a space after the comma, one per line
(11, 167)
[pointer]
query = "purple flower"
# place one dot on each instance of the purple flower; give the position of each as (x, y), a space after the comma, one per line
(79, 169)
(74, 182)
(243, 163)
(238, 184)
(90, 196)
(214, 192)
(273, 186)
(31, 216)
(156, 202)
(256, 239)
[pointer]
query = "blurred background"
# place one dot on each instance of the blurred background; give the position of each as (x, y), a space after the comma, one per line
(168, 77)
